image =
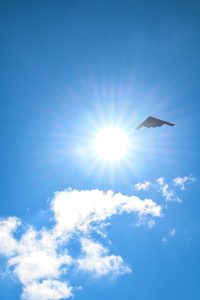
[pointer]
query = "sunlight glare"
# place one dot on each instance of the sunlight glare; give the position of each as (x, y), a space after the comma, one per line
(111, 144)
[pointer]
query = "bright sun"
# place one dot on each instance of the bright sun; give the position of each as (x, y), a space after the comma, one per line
(111, 144)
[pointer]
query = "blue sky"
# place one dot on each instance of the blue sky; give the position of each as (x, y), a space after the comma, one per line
(68, 69)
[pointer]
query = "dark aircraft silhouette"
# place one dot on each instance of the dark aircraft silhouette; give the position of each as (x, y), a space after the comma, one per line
(153, 122)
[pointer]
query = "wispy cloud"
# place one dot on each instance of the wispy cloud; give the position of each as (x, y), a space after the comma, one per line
(171, 234)
(167, 193)
(181, 181)
(144, 221)
(40, 258)
(168, 190)
(142, 185)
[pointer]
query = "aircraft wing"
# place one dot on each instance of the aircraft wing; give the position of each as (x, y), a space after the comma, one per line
(153, 122)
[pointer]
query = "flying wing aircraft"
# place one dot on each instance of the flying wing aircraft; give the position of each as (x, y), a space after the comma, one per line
(153, 122)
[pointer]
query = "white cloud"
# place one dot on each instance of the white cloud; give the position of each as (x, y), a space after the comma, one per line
(46, 290)
(97, 261)
(142, 185)
(32, 257)
(180, 181)
(8, 244)
(39, 258)
(36, 256)
(37, 265)
(77, 210)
